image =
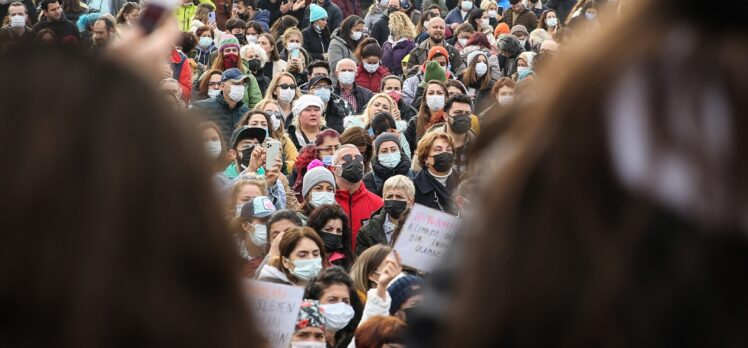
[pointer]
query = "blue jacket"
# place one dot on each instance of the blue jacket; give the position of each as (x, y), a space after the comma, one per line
(217, 110)
(454, 16)
(263, 17)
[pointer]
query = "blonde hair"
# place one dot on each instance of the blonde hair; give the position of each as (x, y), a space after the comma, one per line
(278, 133)
(400, 182)
(274, 83)
(365, 117)
(257, 181)
(486, 3)
(401, 26)
(292, 31)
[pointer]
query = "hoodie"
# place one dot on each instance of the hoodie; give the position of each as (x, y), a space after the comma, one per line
(358, 206)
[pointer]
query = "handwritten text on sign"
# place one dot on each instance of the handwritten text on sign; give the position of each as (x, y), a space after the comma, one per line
(275, 308)
(425, 237)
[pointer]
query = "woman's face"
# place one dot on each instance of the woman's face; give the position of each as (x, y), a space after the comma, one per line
(506, 91)
(210, 134)
(265, 44)
(358, 27)
(453, 91)
(334, 226)
(293, 38)
(322, 23)
(283, 81)
(388, 147)
(378, 105)
(329, 146)
(309, 334)
(306, 249)
(321, 187)
(392, 85)
(336, 293)
(279, 226)
(251, 31)
(133, 15)
(434, 89)
(550, 15)
(371, 60)
(252, 55)
(206, 34)
(522, 63)
(271, 108)
(258, 120)
(439, 146)
(247, 193)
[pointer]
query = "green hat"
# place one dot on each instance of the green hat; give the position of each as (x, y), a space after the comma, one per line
(434, 71)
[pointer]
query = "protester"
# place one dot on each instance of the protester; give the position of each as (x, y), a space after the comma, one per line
(398, 193)
(274, 65)
(250, 231)
(278, 132)
(318, 189)
(518, 14)
(370, 71)
(459, 110)
(255, 58)
(279, 27)
(436, 38)
(342, 46)
(307, 120)
(521, 33)
(494, 16)
(248, 10)
(413, 86)
(74, 9)
(341, 306)
(478, 81)
(104, 31)
(185, 12)
(317, 68)
(437, 179)
(458, 15)
(331, 224)
(550, 22)
(503, 96)
(355, 96)
(242, 144)
(215, 145)
(357, 202)
(201, 18)
(334, 107)
(390, 159)
(462, 35)
(393, 87)
(407, 294)
(325, 145)
(16, 32)
(301, 252)
(317, 34)
(310, 327)
(284, 90)
(360, 138)
(335, 16)
(65, 31)
(479, 20)
(525, 62)
(226, 108)
(383, 122)
(205, 47)
(377, 103)
(510, 49)
(375, 12)
(279, 223)
(430, 113)
(380, 31)
(399, 44)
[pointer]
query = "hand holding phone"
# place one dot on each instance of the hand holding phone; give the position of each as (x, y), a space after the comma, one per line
(272, 152)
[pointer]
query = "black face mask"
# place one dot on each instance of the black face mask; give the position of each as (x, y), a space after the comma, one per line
(332, 242)
(443, 162)
(241, 38)
(244, 16)
(253, 64)
(246, 156)
(460, 124)
(353, 171)
(395, 208)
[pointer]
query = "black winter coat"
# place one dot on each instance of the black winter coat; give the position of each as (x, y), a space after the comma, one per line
(372, 233)
(374, 180)
(217, 110)
(439, 198)
(362, 97)
(316, 44)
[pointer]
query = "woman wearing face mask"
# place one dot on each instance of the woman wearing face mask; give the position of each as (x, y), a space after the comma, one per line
(393, 86)
(334, 290)
(227, 58)
(380, 102)
(370, 71)
(389, 160)
(278, 132)
(316, 35)
(479, 41)
(254, 59)
(479, 20)
(399, 44)
(492, 10)
(344, 41)
(398, 194)
(430, 113)
(284, 90)
(301, 252)
(331, 223)
(503, 96)
(207, 86)
(243, 191)
(251, 234)
(525, 62)
(205, 46)
(550, 22)
(436, 181)
(325, 145)
(318, 189)
(215, 146)
(310, 326)
(478, 81)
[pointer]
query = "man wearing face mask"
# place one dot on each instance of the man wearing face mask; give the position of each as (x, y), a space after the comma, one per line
(16, 32)
(357, 202)
(381, 29)
(518, 14)
(335, 110)
(520, 32)
(227, 108)
(399, 195)
(247, 10)
(354, 95)
(459, 14)
(459, 110)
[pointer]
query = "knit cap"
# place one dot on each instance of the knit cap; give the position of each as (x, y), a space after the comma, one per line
(228, 40)
(386, 136)
(474, 55)
(437, 50)
(316, 12)
(315, 176)
(519, 28)
(402, 289)
(502, 28)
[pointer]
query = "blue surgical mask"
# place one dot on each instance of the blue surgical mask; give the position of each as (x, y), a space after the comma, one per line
(320, 198)
(390, 160)
(306, 269)
(327, 160)
(323, 93)
(205, 42)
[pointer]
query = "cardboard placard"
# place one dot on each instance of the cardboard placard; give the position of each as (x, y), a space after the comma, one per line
(275, 308)
(425, 237)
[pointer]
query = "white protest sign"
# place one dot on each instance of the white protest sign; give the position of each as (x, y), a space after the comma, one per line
(275, 308)
(425, 237)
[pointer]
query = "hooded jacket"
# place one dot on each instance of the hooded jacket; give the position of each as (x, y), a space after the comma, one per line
(393, 54)
(358, 206)
(371, 81)
(263, 17)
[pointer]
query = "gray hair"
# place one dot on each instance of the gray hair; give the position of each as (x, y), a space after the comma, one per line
(336, 155)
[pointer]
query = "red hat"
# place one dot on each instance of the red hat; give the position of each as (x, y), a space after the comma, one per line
(502, 28)
(437, 50)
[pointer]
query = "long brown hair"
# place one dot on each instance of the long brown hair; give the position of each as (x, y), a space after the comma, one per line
(288, 243)
(205, 80)
(469, 76)
(565, 253)
(108, 240)
(423, 122)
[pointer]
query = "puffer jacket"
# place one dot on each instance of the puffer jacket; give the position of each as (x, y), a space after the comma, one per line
(371, 81)
(358, 206)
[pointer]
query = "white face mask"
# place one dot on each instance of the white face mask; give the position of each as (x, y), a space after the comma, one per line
(293, 45)
(320, 198)
(389, 160)
(260, 236)
(286, 95)
(252, 39)
(276, 123)
(467, 5)
(356, 35)
(426, 25)
(551, 22)
(522, 42)
(481, 69)
(213, 92)
(347, 77)
(463, 42)
(239, 208)
(435, 102)
(338, 315)
(17, 21)
(308, 345)
(522, 69)
(505, 100)
(492, 13)
(371, 68)
(213, 148)
(237, 93)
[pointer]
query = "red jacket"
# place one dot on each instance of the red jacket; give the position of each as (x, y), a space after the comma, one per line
(359, 207)
(372, 82)
(180, 66)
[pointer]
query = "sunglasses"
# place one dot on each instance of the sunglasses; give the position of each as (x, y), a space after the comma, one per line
(287, 86)
(358, 158)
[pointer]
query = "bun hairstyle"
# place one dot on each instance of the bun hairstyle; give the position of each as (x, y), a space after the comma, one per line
(367, 48)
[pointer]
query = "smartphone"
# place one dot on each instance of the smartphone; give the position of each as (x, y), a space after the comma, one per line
(272, 151)
(295, 53)
(154, 13)
(211, 18)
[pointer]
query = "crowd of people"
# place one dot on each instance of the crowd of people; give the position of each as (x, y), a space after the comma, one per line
(368, 110)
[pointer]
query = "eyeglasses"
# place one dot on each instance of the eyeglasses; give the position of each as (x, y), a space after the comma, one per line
(287, 86)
